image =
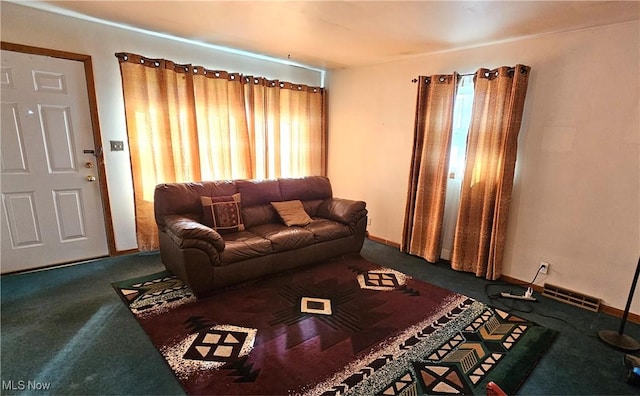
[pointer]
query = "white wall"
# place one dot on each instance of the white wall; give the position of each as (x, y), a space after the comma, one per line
(576, 199)
(28, 26)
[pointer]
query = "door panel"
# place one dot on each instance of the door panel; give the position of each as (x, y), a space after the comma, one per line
(51, 204)
(49, 82)
(57, 137)
(70, 215)
(23, 219)
(14, 159)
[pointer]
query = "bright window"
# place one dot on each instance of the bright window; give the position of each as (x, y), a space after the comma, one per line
(461, 121)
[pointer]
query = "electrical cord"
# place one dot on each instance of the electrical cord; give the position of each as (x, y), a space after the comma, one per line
(567, 323)
(521, 306)
(497, 299)
(497, 296)
(535, 277)
(517, 305)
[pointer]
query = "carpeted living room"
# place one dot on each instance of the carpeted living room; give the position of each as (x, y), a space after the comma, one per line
(68, 330)
(349, 197)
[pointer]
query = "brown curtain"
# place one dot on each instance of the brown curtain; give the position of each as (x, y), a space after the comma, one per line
(223, 134)
(288, 124)
(422, 233)
(488, 180)
(188, 123)
(162, 135)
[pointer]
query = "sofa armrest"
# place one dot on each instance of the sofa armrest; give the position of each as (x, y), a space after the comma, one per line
(187, 232)
(345, 211)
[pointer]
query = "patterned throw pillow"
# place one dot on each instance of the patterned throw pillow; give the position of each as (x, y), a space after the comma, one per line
(222, 213)
(292, 213)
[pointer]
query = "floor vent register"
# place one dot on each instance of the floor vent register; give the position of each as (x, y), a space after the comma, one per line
(571, 297)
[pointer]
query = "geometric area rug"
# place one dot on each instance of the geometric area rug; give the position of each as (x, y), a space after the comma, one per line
(344, 327)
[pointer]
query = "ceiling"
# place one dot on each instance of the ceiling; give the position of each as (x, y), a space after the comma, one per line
(338, 34)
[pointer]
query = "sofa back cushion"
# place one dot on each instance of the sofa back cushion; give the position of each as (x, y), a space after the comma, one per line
(256, 197)
(305, 189)
(185, 198)
(259, 192)
(258, 215)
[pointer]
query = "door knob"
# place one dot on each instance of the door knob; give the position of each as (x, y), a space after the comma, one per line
(91, 178)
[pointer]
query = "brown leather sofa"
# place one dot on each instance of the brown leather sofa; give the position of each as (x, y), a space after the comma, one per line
(206, 259)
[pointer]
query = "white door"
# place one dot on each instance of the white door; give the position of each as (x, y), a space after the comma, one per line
(51, 205)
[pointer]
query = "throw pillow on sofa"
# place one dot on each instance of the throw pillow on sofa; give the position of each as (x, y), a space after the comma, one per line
(292, 213)
(222, 213)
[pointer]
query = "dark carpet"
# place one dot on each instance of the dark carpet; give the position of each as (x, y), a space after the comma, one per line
(347, 326)
(66, 328)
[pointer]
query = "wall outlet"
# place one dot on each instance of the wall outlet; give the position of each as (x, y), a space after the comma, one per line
(544, 267)
(369, 220)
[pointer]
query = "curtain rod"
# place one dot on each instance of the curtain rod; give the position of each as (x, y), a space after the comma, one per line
(415, 80)
(195, 69)
(510, 69)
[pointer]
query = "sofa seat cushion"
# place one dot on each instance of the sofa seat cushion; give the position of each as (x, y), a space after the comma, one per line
(244, 245)
(284, 238)
(326, 230)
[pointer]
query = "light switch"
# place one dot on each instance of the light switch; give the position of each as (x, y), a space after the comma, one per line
(117, 145)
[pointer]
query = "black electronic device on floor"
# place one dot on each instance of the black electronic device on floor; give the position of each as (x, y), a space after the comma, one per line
(632, 363)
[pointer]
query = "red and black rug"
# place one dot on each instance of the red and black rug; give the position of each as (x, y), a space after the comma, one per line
(343, 327)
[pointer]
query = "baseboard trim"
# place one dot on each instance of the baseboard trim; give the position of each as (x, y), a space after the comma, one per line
(384, 241)
(635, 318)
(128, 251)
